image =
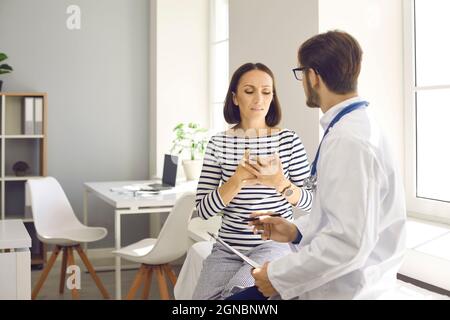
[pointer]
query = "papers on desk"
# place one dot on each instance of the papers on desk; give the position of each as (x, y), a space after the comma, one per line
(136, 190)
(140, 190)
(139, 187)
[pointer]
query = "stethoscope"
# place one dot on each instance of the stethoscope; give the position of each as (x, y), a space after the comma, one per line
(310, 183)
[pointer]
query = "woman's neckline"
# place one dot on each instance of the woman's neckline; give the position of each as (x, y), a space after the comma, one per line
(273, 132)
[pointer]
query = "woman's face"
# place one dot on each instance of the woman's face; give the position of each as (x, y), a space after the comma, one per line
(254, 95)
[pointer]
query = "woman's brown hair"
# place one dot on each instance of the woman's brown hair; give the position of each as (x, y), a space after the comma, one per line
(231, 111)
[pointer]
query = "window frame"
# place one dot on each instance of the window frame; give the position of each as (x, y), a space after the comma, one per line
(419, 207)
(212, 70)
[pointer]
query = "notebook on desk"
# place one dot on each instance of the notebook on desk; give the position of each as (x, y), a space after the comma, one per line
(169, 177)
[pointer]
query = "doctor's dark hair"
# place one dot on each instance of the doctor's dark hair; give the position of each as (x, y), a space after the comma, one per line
(231, 111)
(336, 56)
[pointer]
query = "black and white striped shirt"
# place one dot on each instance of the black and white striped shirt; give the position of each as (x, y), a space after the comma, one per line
(223, 154)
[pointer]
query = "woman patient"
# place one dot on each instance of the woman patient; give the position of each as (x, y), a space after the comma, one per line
(254, 166)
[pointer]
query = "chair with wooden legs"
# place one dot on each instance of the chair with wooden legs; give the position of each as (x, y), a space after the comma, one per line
(155, 254)
(57, 224)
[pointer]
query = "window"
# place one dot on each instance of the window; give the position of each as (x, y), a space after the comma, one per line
(427, 97)
(218, 63)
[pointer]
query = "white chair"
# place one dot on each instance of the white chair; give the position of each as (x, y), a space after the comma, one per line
(156, 254)
(57, 224)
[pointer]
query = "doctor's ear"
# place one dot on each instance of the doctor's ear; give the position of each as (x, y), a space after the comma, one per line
(314, 77)
(234, 99)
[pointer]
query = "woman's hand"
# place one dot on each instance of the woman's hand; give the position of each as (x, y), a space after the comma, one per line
(268, 171)
(243, 175)
(273, 228)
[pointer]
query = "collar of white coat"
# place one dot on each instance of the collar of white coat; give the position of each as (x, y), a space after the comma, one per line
(334, 110)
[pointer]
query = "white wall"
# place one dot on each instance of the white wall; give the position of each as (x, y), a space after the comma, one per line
(97, 84)
(180, 71)
(378, 26)
(270, 32)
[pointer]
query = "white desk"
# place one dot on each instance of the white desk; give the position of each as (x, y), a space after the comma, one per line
(125, 204)
(15, 264)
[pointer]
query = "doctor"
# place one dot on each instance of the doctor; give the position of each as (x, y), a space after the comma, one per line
(352, 245)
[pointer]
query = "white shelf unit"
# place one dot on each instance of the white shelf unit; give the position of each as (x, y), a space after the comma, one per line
(16, 146)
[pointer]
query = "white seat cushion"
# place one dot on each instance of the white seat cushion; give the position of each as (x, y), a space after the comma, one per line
(190, 272)
(136, 251)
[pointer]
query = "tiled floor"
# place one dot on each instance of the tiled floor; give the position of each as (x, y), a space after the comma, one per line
(89, 291)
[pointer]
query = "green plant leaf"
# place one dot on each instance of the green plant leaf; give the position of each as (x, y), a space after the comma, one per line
(3, 56)
(4, 68)
(180, 135)
(190, 138)
(178, 126)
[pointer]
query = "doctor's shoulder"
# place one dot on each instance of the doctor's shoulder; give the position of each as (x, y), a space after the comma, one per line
(341, 147)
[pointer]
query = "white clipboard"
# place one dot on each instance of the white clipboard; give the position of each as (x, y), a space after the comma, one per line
(242, 256)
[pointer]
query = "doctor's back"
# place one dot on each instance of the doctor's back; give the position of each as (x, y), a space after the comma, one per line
(354, 237)
(359, 206)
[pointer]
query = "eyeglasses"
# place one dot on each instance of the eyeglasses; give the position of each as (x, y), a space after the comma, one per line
(298, 73)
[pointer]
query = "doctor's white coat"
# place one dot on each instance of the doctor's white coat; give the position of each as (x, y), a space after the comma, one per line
(354, 238)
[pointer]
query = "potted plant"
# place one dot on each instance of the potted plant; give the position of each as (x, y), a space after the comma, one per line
(190, 138)
(4, 68)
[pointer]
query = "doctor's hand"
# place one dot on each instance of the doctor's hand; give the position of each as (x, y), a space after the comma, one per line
(262, 281)
(273, 228)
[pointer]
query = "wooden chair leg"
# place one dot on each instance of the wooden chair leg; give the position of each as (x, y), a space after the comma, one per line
(170, 274)
(136, 283)
(62, 277)
(163, 291)
(91, 270)
(71, 262)
(147, 282)
(45, 272)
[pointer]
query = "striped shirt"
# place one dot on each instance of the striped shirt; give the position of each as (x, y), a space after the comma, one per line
(223, 154)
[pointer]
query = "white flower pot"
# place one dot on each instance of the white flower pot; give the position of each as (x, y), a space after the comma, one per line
(192, 169)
